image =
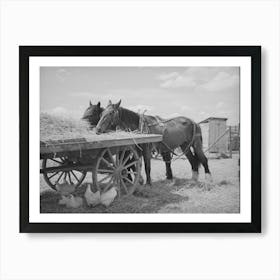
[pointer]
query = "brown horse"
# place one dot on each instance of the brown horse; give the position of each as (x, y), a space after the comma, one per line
(177, 132)
(92, 115)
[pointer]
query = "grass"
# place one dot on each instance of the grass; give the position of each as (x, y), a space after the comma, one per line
(180, 196)
(145, 200)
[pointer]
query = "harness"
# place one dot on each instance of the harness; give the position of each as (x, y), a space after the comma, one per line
(144, 126)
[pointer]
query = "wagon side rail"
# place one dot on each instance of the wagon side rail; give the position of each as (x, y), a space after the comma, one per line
(84, 146)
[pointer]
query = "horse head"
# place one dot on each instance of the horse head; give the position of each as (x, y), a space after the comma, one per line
(109, 117)
(92, 113)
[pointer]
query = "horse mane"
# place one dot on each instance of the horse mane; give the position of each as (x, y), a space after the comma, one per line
(129, 118)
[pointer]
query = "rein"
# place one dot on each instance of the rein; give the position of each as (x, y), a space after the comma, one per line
(144, 123)
(118, 121)
(144, 127)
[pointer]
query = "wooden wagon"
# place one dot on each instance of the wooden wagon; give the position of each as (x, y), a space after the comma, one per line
(112, 159)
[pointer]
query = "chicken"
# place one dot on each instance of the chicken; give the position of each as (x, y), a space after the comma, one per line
(74, 202)
(92, 198)
(108, 197)
(63, 200)
(64, 188)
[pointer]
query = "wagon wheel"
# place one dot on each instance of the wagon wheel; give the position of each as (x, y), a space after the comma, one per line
(63, 170)
(121, 170)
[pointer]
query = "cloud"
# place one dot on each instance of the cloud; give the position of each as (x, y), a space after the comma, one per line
(62, 74)
(206, 78)
(175, 80)
(221, 81)
(166, 76)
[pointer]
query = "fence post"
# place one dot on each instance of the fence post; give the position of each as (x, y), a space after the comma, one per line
(230, 143)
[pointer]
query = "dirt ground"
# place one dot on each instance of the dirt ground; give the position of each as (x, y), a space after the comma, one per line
(179, 196)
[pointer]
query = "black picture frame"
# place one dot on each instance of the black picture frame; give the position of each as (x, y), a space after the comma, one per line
(254, 52)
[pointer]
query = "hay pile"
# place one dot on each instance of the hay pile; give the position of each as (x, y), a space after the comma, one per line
(59, 128)
(54, 128)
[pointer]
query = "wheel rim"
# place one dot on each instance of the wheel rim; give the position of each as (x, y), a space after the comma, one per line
(72, 176)
(121, 169)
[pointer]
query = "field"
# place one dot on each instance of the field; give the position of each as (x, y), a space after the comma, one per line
(179, 196)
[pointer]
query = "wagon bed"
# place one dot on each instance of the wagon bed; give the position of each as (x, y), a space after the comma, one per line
(114, 159)
(51, 148)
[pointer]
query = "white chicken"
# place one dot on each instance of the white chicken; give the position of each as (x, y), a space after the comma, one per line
(63, 200)
(92, 198)
(65, 188)
(74, 202)
(108, 197)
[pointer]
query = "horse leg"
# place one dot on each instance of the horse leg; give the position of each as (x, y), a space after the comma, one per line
(132, 168)
(167, 159)
(192, 159)
(147, 161)
(204, 161)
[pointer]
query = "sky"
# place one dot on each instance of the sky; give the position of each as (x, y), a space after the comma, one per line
(194, 92)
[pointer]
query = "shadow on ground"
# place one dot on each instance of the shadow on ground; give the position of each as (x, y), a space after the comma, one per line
(146, 199)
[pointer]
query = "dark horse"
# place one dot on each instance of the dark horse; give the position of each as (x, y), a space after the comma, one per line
(177, 132)
(93, 113)
(92, 116)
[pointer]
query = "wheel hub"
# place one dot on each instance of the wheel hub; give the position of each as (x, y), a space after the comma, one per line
(120, 171)
(124, 172)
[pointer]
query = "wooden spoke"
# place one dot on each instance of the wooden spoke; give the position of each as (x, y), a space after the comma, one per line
(126, 159)
(103, 179)
(131, 163)
(55, 160)
(70, 180)
(122, 156)
(107, 162)
(132, 173)
(124, 186)
(123, 170)
(72, 172)
(57, 181)
(128, 180)
(54, 174)
(109, 184)
(62, 169)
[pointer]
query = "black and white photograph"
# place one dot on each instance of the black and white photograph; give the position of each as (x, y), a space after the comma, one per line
(124, 137)
(139, 139)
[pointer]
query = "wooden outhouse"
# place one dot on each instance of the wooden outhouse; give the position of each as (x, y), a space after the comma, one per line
(214, 135)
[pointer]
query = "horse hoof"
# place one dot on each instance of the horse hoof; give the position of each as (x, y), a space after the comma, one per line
(208, 178)
(141, 180)
(170, 182)
(194, 176)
